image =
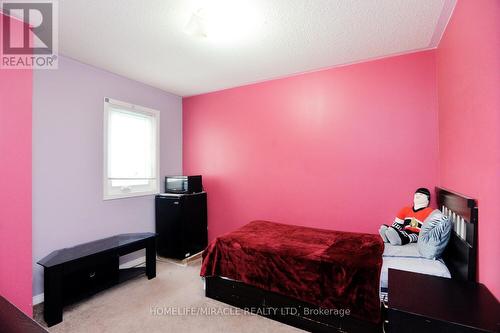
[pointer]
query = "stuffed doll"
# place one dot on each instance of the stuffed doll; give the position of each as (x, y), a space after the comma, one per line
(406, 225)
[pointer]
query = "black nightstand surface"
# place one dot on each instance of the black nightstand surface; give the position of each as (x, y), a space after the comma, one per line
(13, 320)
(424, 302)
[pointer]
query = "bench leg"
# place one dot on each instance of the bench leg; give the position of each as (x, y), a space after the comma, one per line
(151, 259)
(53, 298)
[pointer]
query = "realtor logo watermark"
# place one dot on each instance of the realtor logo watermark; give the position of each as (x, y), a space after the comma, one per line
(33, 44)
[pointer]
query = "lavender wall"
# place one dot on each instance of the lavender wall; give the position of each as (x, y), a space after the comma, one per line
(67, 157)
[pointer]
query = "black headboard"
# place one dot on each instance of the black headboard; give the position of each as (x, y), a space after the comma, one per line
(461, 253)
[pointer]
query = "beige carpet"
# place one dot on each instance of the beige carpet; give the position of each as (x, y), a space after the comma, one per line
(142, 305)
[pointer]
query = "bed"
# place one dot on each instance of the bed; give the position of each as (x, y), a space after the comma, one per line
(407, 258)
(270, 299)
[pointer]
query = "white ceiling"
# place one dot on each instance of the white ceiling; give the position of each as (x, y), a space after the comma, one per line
(248, 40)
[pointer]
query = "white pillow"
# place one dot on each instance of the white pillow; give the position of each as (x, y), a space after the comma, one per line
(434, 235)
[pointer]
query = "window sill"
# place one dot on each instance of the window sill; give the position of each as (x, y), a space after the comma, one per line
(107, 197)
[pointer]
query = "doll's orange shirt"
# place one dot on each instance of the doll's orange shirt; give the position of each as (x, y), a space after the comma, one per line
(412, 220)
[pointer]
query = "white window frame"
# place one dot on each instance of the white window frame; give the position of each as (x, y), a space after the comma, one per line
(109, 192)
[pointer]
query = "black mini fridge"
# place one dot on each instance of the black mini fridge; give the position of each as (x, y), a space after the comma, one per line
(181, 224)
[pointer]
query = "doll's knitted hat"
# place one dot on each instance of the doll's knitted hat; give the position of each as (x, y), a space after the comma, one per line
(425, 191)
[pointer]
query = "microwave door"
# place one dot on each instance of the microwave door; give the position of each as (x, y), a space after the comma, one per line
(175, 184)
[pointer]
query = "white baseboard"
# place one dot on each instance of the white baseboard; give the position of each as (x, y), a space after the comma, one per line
(133, 263)
(184, 262)
(37, 299)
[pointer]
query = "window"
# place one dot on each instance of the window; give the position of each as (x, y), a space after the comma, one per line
(131, 150)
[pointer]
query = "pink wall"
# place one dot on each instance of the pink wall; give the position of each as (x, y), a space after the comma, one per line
(469, 120)
(15, 184)
(342, 148)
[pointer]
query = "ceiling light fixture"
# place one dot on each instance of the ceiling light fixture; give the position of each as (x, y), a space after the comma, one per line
(224, 21)
(197, 24)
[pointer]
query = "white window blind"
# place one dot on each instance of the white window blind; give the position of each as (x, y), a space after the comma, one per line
(131, 150)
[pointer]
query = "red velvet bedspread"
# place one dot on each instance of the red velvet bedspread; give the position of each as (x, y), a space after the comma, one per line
(330, 269)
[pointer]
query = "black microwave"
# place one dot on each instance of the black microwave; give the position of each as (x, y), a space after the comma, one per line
(183, 184)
